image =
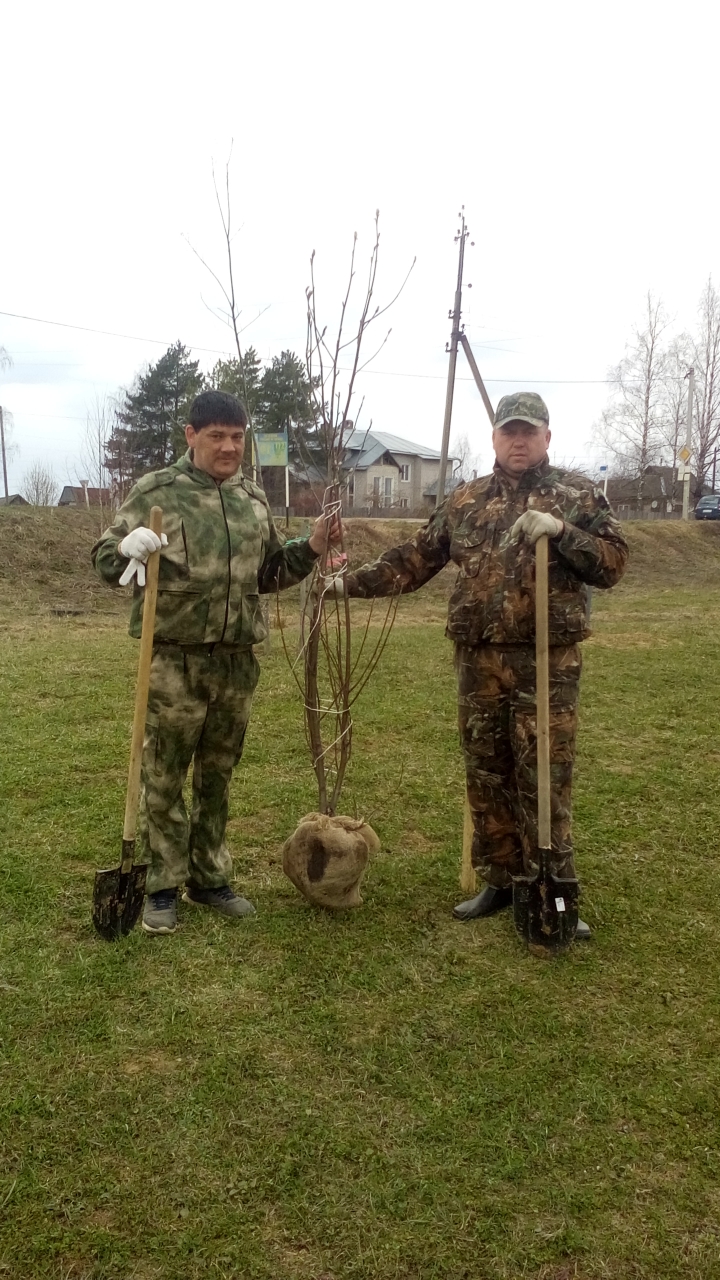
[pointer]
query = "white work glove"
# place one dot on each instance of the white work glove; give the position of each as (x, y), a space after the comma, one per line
(137, 546)
(333, 583)
(333, 586)
(533, 524)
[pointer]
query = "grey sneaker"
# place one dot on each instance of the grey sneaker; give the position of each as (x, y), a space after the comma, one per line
(160, 914)
(222, 900)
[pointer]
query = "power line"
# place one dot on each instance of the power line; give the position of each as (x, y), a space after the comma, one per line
(553, 382)
(385, 373)
(107, 333)
(51, 417)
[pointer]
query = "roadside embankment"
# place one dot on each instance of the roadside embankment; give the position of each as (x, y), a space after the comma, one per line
(45, 556)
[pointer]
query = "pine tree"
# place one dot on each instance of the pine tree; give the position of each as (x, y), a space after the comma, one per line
(239, 380)
(152, 416)
(285, 404)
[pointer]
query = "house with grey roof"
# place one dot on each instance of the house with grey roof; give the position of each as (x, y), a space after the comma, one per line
(384, 470)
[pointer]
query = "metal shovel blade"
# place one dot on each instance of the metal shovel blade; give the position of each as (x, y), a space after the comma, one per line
(545, 908)
(118, 899)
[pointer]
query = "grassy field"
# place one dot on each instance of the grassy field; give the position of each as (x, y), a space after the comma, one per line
(385, 1095)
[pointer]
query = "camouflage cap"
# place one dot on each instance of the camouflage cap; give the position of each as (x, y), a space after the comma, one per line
(525, 406)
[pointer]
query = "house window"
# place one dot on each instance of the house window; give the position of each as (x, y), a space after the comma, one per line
(388, 492)
(402, 502)
(405, 471)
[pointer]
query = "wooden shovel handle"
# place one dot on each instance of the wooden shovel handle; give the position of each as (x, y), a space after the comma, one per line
(143, 681)
(468, 879)
(542, 692)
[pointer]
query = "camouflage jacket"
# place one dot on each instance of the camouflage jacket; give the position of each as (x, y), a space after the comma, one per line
(494, 597)
(223, 550)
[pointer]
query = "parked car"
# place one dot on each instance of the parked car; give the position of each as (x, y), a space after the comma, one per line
(708, 508)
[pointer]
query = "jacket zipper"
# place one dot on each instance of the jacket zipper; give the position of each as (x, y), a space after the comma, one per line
(229, 560)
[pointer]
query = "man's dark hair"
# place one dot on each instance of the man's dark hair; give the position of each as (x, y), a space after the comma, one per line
(217, 407)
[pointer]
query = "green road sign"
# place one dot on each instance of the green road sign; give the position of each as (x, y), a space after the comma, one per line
(272, 448)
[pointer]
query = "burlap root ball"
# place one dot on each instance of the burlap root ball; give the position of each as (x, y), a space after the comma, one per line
(326, 859)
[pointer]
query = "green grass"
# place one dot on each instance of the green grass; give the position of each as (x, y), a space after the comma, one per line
(384, 1095)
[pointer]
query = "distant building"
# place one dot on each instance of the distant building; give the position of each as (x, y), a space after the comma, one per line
(14, 500)
(662, 494)
(83, 496)
(384, 471)
(430, 493)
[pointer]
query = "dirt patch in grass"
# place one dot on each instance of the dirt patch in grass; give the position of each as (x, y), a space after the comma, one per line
(155, 1063)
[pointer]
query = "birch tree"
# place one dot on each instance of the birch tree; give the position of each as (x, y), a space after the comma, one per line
(631, 428)
(673, 426)
(706, 362)
(92, 466)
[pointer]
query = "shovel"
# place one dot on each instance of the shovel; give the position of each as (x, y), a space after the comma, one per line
(118, 893)
(545, 906)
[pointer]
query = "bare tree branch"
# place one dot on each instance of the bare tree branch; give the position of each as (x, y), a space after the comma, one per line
(40, 486)
(332, 679)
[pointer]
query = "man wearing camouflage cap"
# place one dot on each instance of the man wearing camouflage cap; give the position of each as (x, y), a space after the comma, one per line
(220, 549)
(488, 527)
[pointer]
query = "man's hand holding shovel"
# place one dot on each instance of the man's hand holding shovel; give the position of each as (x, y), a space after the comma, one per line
(137, 546)
(533, 524)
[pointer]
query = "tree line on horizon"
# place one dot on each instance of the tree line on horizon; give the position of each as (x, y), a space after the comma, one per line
(147, 430)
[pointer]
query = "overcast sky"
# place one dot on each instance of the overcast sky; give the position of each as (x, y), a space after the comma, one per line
(581, 139)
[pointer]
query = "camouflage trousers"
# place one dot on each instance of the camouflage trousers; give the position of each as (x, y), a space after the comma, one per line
(498, 732)
(198, 711)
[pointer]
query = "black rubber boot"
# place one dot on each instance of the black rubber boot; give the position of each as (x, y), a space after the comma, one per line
(487, 903)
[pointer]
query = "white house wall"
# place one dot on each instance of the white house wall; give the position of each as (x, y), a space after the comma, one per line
(422, 473)
(410, 490)
(383, 472)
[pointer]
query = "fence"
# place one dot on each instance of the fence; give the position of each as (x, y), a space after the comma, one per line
(624, 511)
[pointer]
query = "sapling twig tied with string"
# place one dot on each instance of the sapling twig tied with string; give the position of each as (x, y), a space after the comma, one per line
(231, 313)
(333, 665)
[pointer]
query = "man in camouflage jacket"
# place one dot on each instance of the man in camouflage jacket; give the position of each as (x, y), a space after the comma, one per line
(220, 550)
(488, 527)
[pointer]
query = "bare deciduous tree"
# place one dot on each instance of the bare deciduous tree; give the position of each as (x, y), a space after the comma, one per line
(631, 428)
(673, 424)
(333, 675)
(232, 315)
(706, 361)
(100, 422)
(466, 462)
(40, 486)
(7, 448)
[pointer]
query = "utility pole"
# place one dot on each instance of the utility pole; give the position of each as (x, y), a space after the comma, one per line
(453, 315)
(686, 453)
(476, 375)
(4, 459)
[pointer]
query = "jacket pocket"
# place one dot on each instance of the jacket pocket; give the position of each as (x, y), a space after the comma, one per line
(250, 627)
(468, 550)
(566, 615)
(181, 615)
